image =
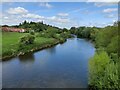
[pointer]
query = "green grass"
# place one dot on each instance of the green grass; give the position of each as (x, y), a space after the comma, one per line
(10, 43)
(10, 39)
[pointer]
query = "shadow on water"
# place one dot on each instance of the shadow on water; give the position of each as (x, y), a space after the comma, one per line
(51, 50)
(27, 58)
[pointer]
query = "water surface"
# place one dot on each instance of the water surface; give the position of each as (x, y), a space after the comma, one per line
(62, 66)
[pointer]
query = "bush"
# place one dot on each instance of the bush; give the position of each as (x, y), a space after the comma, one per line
(27, 39)
(32, 32)
(56, 36)
(113, 46)
(7, 53)
(97, 66)
(110, 78)
(103, 72)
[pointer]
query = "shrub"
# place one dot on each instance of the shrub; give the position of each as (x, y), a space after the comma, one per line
(32, 32)
(56, 36)
(97, 66)
(110, 78)
(27, 39)
(103, 72)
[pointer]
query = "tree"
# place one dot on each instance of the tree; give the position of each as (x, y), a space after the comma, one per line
(65, 30)
(104, 36)
(27, 39)
(113, 47)
(73, 30)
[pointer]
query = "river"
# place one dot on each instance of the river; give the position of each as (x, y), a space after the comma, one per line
(62, 66)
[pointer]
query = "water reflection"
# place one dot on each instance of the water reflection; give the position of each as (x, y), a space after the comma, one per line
(62, 66)
(28, 58)
(51, 50)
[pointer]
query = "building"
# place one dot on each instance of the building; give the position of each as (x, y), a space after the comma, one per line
(11, 29)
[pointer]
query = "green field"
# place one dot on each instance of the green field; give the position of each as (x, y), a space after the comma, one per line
(10, 40)
(10, 43)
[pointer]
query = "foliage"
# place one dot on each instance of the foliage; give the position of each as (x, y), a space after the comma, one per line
(85, 32)
(73, 30)
(112, 47)
(103, 72)
(97, 65)
(32, 32)
(103, 67)
(36, 26)
(10, 42)
(111, 77)
(11, 46)
(106, 76)
(55, 33)
(27, 39)
(37, 35)
(105, 36)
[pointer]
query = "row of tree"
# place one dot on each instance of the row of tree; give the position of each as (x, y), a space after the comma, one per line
(103, 67)
(39, 29)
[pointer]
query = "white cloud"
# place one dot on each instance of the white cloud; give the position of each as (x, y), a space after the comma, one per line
(79, 9)
(102, 0)
(45, 4)
(35, 16)
(52, 18)
(109, 10)
(63, 14)
(18, 10)
(16, 15)
(100, 4)
(5, 17)
(60, 0)
(11, 19)
(1, 15)
(57, 19)
(25, 0)
(114, 20)
(110, 16)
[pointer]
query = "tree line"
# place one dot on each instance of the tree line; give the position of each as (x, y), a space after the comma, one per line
(104, 66)
(39, 29)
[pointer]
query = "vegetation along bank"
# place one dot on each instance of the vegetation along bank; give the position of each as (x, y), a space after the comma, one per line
(104, 66)
(36, 36)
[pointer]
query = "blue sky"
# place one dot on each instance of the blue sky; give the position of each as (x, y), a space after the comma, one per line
(61, 14)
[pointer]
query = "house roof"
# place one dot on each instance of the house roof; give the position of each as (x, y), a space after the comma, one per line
(11, 29)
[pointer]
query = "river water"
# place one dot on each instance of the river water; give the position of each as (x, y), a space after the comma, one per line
(62, 66)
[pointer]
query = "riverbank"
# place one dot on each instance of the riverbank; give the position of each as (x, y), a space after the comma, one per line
(63, 65)
(103, 66)
(10, 45)
(37, 48)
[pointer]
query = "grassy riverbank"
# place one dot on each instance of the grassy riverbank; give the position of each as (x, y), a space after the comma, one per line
(103, 66)
(10, 44)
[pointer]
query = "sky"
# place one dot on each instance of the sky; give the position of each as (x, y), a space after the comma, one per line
(60, 14)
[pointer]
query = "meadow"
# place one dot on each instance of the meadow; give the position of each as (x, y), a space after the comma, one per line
(10, 43)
